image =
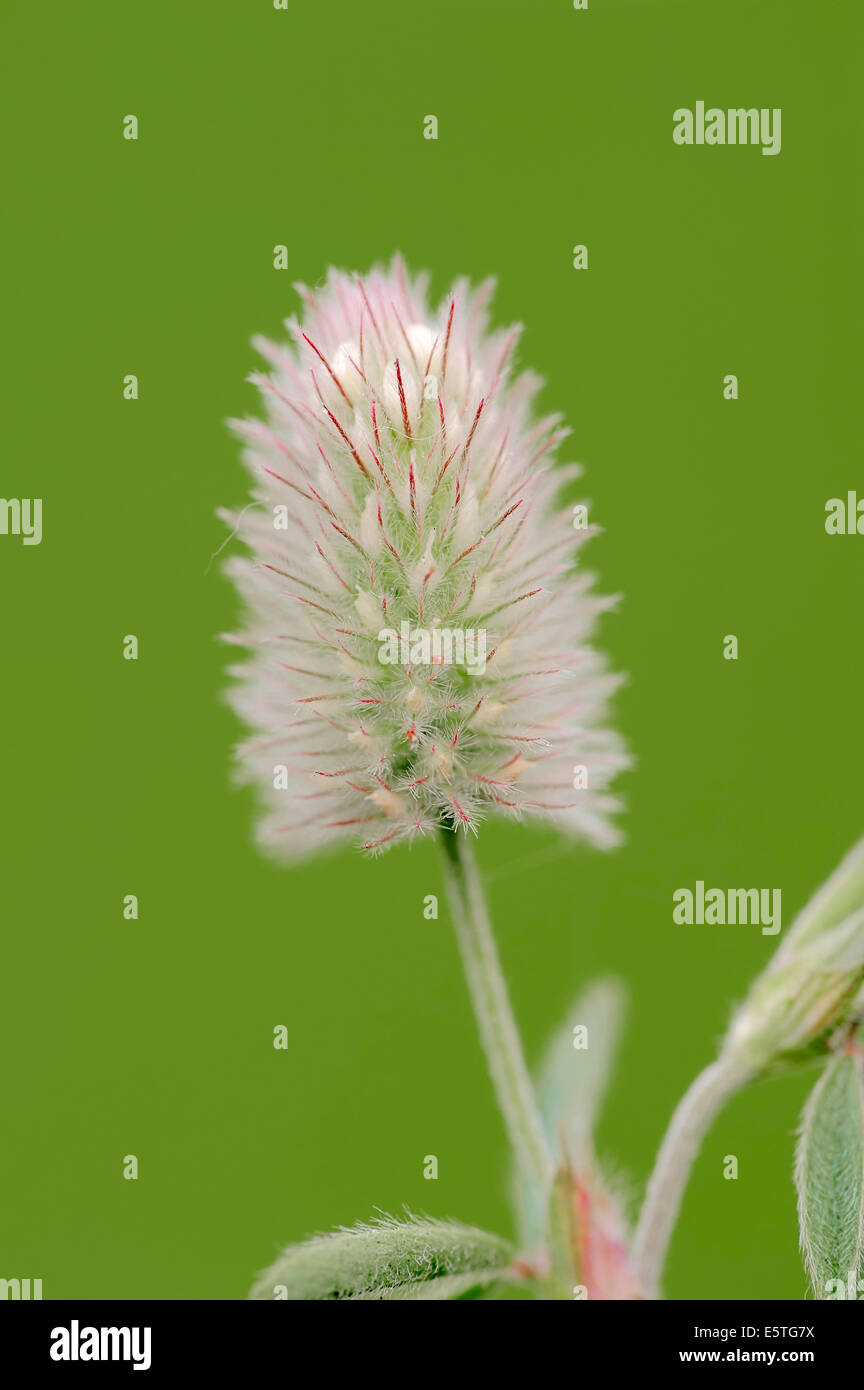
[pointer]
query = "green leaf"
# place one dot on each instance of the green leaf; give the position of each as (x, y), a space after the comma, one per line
(484, 1284)
(388, 1259)
(572, 1080)
(570, 1084)
(829, 1176)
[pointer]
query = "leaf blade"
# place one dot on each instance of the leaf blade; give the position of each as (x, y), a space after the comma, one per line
(381, 1260)
(829, 1176)
(570, 1084)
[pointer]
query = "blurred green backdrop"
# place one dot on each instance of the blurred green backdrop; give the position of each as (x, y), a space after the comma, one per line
(304, 127)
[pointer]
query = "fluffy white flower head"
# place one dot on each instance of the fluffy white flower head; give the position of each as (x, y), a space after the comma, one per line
(417, 624)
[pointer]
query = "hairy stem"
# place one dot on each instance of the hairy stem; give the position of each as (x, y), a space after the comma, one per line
(495, 1021)
(682, 1141)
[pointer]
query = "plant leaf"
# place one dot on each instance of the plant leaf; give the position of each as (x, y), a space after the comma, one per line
(570, 1085)
(571, 1081)
(387, 1259)
(829, 1176)
(476, 1285)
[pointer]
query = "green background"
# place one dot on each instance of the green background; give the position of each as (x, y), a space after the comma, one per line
(304, 127)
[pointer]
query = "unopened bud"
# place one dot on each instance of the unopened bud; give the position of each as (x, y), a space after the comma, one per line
(813, 984)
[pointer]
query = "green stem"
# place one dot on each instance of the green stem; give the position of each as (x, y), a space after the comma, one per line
(497, 1027)
(690, 1123)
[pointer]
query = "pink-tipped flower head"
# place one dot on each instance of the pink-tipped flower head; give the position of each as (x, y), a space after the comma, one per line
(417, 625)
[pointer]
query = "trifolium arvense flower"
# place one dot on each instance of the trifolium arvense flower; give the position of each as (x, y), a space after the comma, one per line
(418, 627)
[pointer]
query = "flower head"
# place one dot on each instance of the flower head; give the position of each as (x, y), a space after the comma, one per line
(418, 630)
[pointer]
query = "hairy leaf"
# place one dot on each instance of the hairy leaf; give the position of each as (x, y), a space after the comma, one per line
(484, 1284)
(570, 1084)
(829, 1176)
(387, 1259)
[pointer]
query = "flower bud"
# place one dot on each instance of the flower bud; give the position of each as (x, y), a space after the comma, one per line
(813, 984)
